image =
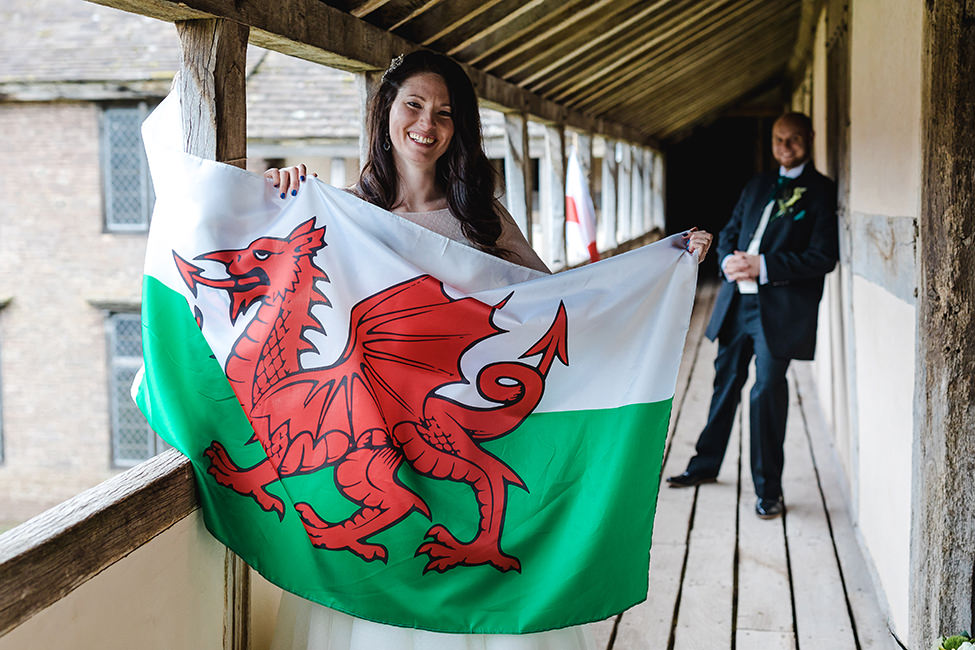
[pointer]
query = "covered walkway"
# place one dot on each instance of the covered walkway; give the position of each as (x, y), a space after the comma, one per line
(720, 577)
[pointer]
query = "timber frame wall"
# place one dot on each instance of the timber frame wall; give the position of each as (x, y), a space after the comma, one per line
(56, 552)
(943, 494)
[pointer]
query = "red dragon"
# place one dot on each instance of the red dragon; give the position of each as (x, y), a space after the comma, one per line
(377, 405)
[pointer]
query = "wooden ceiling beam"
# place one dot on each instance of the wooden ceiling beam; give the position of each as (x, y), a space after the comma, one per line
(496, 19)
(673, 97)
(517, 30)
(396, 15)
(659, 60)
(442, 19)
(367, 7)
(691, 101)
(315, 31)
(591, 21)
(548, 68)
(656, 70)
(667, 97)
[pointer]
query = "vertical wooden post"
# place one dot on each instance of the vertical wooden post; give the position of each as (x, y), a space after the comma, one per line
(659, 212)
(212, 89)
(647, 192)
(636, 196)
(606, 234)
(584, 152)
(943, 486)
(336, 172)
(624, 205)
(518, 171)
(553, 197)
(367, 83)
(213, 105)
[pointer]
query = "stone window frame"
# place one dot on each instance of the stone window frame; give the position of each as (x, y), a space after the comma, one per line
(130, 115)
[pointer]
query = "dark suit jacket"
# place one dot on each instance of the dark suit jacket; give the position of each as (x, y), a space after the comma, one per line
(800, 248)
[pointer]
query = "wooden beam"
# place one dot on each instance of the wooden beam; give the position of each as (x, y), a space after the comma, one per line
(212, 92)
(519, 30)
(586, 23)
(49, 556)
(442, 19)
(501, 19)
(942, 591)
(367, 83)
(688, 49)
(624, 201)
(552, 199)
(606, 233)
(518, 171)
(624, 41)
(312, 30)
(636, 192)
(659, 191)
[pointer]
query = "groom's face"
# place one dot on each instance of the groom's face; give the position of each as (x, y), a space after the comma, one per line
(790, 143)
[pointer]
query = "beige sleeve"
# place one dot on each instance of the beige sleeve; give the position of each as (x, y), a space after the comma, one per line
(513, 240)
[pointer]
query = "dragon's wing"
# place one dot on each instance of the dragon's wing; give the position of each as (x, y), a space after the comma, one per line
(404, 343)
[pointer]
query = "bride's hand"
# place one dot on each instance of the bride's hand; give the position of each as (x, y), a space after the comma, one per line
(288, 179)
(698, 239)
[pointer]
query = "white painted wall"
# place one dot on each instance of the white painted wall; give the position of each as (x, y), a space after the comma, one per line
(870, 299)
(167, 594)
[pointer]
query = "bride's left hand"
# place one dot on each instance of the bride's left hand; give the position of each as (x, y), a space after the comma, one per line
(698, 239)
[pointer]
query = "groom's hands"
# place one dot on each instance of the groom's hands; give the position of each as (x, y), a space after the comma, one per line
(741, 266)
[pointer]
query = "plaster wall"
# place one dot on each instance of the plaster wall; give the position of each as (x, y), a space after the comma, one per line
(169, 593)
(885, 383)
(885, 173)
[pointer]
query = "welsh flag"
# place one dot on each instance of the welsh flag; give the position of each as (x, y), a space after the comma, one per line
(399, 426)
(580, 215)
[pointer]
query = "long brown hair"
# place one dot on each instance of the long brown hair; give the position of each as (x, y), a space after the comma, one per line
(463, 171)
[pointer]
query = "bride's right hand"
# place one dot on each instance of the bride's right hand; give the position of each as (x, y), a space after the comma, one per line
(288, 179)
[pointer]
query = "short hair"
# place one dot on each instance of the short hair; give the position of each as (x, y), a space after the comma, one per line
(800, 120)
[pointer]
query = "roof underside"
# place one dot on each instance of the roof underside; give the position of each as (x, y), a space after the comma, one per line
(658, 66)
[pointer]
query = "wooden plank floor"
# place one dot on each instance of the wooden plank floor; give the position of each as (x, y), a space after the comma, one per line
(720, 577)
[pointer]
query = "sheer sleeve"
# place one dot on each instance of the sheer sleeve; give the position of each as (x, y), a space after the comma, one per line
(513, 241)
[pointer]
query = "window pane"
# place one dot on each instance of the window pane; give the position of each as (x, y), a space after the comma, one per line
(127, 193)
(132, 439)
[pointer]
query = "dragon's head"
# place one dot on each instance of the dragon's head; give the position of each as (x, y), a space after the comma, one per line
(266, 270)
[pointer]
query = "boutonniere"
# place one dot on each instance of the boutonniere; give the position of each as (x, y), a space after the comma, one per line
(783, 205)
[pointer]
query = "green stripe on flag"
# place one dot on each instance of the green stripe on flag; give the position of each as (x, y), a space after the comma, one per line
(581, 530)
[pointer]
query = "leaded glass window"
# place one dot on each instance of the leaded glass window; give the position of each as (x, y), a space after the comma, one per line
(128, 188)
(132, 439)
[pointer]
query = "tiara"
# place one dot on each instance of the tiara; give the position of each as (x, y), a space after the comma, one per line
(395, 63)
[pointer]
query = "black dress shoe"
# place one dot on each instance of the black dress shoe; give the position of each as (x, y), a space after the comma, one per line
(689, 479)
(769, 508)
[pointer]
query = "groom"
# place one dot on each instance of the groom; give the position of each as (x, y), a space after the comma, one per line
(780, 243)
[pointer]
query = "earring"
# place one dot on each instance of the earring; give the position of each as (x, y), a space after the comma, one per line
(386, 143)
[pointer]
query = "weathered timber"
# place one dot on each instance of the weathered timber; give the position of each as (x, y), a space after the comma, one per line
(367, 83)
(49, 556)
(552, 197)
(518, 171)
(606, 232)
(943, 489)
(315, 31)
(624, 196)
(212, 94)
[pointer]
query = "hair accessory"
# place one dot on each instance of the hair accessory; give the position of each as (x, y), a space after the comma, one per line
(395, 63)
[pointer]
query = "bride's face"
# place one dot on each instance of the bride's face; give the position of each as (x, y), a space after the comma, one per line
(420, 122)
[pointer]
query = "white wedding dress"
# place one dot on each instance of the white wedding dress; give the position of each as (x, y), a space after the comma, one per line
(306, 625)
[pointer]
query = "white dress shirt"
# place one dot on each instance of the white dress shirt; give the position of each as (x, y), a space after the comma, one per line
(751, 286)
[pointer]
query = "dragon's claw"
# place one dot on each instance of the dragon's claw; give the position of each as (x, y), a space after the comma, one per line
(337, 537)
(446, 552)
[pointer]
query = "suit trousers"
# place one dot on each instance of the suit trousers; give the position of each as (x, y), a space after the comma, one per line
(741, 337)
